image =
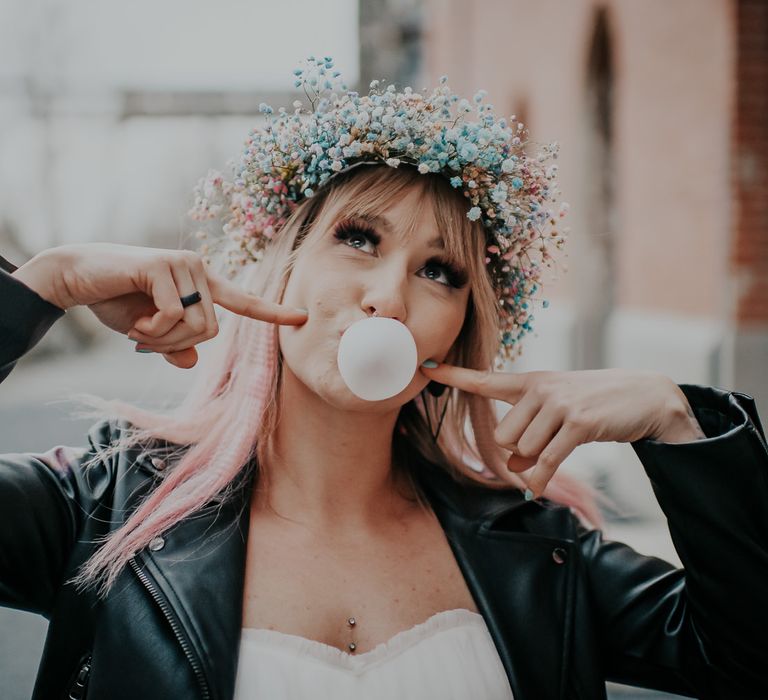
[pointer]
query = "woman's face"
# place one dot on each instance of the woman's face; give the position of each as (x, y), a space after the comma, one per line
(348, 269)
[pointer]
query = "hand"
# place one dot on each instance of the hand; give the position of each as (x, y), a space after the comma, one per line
(555, 412)
(136, 290)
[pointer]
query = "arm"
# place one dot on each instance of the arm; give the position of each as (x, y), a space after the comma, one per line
(25, 316)
(44, 501)
(43, 497)
(699, 630)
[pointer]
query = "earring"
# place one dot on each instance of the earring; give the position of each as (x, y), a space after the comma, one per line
(437, 390)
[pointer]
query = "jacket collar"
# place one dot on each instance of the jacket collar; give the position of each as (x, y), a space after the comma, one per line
(512, 553)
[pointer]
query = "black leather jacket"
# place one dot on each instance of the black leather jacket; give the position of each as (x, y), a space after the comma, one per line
(566, 608)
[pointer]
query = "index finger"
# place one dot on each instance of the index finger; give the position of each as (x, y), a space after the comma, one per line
(235, 299)
(504, 386)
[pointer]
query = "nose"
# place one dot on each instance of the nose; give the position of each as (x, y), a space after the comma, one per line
(397, 317)
(385, 290)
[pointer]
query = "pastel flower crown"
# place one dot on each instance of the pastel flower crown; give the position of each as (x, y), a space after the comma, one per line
(289, 158)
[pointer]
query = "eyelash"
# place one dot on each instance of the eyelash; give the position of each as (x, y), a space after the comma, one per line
(349, 229)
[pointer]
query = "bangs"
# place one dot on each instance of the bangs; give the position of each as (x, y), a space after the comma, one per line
(370, 192)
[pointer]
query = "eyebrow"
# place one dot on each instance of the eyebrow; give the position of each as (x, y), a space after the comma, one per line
(383, 223)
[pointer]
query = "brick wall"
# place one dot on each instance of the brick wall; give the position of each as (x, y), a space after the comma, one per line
(750, 158)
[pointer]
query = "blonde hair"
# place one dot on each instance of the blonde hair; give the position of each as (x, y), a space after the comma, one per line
(226, 421)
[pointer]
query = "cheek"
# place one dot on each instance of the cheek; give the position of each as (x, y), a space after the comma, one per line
(438, 329)
(315, 287)
(328, 314)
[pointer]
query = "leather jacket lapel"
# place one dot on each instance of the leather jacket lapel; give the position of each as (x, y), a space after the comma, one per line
(523, 582)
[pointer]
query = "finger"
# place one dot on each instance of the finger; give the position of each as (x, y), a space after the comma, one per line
(517, 419)
(194, 315)
(191, 323)
(182, 335)
(505, 386)
(565, 442)
(186, 359)
(233, 298)
(539, 431)
(517, 464)
(165, 296)
(183, 343)
(200, 280)
(505, 476)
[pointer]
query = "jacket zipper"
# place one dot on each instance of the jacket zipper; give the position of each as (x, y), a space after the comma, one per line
(79, 685)
(157, 596)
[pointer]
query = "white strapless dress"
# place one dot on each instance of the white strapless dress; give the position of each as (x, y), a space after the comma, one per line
(450, 656)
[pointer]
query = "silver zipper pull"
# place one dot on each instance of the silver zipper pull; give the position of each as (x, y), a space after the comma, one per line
(77, 691)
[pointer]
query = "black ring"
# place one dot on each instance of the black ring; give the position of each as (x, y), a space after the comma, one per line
(190, 299)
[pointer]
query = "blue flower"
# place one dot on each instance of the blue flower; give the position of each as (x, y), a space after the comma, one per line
(468, 151)
(456, 181)
(474, 214)
(517, 183)
(499, 193)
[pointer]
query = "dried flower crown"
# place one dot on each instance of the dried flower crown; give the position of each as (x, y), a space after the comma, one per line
(292, 155)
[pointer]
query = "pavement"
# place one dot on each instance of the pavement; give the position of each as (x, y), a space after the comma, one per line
(35, 415)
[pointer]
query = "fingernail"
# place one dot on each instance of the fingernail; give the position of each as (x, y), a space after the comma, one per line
(431, 364)
(304, 311)
(138, 349)
(528, 494)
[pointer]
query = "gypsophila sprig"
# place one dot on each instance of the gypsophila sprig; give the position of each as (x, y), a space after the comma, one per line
(286, 159)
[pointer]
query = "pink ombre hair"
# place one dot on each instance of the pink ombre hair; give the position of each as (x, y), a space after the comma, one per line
(224, 424)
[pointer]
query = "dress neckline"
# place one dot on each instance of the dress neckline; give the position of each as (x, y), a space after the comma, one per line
(399, 642)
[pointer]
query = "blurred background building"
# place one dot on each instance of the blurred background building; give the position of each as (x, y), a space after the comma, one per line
(110, 112)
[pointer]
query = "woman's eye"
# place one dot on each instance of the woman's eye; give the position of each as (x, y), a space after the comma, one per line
(350, 234)
(445, 274)
(358, 237)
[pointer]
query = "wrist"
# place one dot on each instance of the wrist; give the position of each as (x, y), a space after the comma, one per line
(681, 424)
(43, 275)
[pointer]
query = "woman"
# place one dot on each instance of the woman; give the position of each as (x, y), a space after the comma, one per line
(278, 536)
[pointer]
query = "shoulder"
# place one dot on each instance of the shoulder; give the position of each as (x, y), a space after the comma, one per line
(115, 447)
